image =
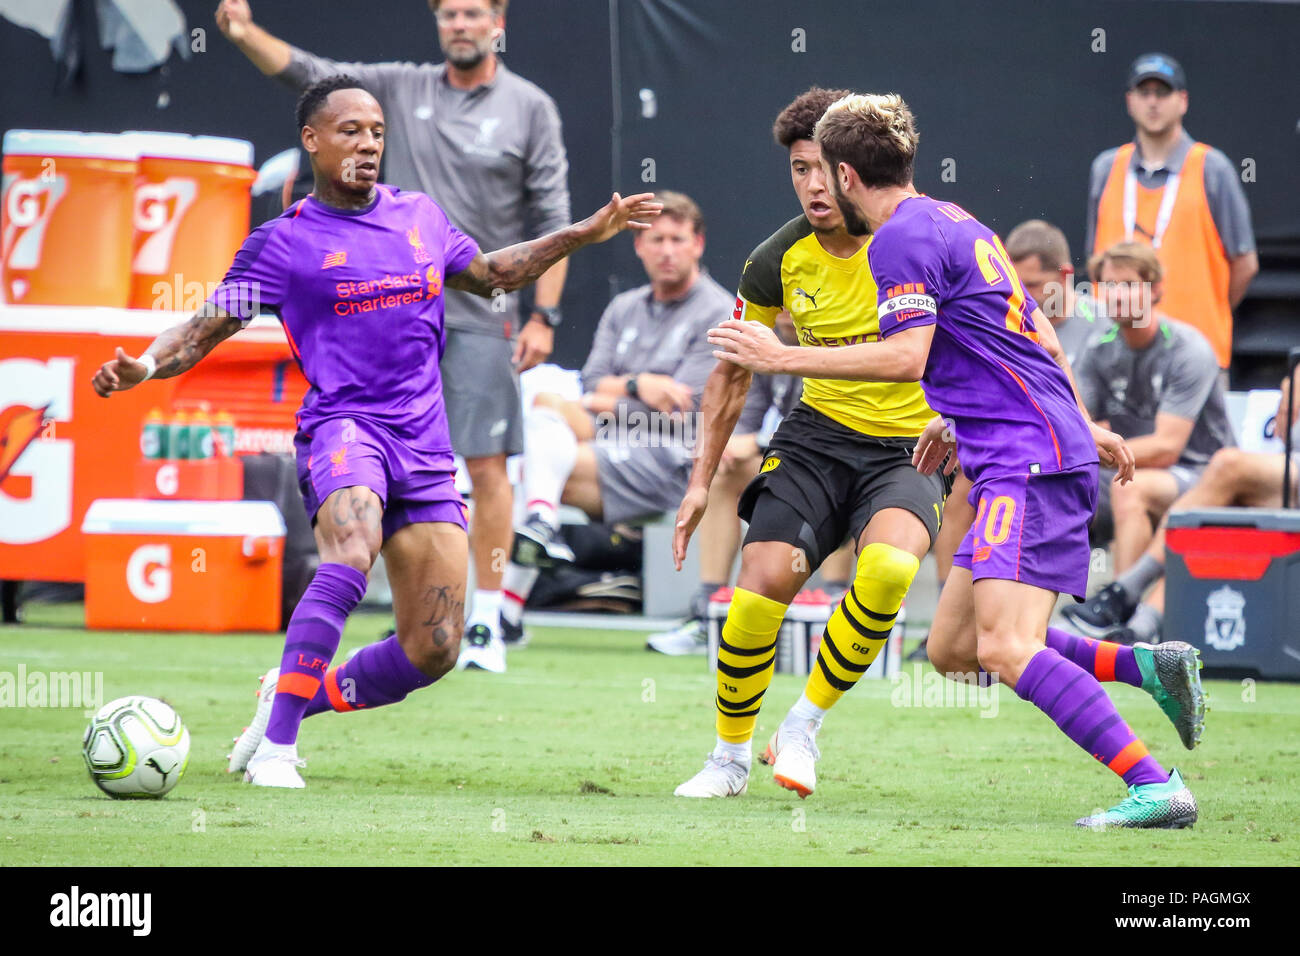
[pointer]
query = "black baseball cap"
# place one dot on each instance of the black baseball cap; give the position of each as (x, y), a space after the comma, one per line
(1157, 66)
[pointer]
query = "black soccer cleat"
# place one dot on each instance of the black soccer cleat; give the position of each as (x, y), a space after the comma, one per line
(513, 634)
(1101, 614)
(538, 545)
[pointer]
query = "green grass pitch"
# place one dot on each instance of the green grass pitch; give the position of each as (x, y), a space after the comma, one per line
(572, 756)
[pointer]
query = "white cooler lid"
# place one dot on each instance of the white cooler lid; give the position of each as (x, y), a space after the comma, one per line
(207, 149)
(207, 518)
(49, 142)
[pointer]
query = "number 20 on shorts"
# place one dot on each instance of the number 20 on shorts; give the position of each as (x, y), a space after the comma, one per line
(1000, 514)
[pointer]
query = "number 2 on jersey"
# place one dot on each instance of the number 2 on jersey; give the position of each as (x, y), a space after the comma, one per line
(995, 266)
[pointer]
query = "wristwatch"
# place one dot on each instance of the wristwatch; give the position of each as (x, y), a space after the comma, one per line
(550, 314)
(630, 387)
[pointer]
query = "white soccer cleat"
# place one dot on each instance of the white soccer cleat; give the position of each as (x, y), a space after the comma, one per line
(793, 754)
(276, 766)
(691, 637)
(723, 776)
(482, 650)
(246, 744)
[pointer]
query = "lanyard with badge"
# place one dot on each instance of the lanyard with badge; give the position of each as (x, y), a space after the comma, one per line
(1168, 197)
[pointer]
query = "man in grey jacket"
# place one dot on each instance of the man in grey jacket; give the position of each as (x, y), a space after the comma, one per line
(625, 450)
(486, 145)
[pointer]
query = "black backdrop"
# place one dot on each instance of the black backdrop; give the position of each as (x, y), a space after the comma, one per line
(1010, 93)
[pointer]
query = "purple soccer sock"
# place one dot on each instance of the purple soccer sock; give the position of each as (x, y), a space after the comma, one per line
(1080, 706)
(309, 646)
(378, 674)
(1102, 659)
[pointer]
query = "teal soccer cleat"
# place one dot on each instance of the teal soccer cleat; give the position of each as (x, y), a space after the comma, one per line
(1162, 806)
(1171, 673)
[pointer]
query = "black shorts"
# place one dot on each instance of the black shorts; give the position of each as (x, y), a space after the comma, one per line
(822, 482)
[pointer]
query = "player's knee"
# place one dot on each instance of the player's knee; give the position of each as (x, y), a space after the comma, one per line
(775, 573)
(353, 550)
(435, 653)
(942, 657)
(999, 651)
(886, 569)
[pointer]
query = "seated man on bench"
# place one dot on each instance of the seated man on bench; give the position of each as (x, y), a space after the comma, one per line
(625, 451)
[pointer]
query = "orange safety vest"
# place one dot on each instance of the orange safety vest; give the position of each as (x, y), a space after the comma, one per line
(1191, 252)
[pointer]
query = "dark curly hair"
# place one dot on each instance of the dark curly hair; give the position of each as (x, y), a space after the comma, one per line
(798, 120)
(314, 96)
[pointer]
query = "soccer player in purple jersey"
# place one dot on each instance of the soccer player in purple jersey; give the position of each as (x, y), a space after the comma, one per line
(356, 272)
(954, 315)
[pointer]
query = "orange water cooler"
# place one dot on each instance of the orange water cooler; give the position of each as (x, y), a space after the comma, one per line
(191, 214)
(183, 565)
(65, 218)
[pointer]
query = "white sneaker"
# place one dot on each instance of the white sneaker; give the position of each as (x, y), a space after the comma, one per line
(692, 637)
(246, 744)
(723, 776)
(275, 765)
(482, 650)
(793, 754)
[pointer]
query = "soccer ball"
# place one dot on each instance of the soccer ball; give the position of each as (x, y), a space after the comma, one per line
(136, 747)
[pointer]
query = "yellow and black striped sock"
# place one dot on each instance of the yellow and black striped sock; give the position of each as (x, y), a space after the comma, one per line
(746, 659)
(861, 624)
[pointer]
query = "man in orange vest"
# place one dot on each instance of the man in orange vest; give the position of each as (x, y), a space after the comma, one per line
(1181, 197)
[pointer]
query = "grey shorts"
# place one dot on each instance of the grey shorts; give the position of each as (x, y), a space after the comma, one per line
(1103, 522)
(481, 391)
(637, 481)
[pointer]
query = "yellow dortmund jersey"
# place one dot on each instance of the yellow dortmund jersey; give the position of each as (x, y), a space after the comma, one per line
(833, 303)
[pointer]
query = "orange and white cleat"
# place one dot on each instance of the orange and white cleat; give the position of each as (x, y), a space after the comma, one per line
(792, 753)
(247, 742)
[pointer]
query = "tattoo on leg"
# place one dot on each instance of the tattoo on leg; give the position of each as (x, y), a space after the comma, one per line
(444, 606)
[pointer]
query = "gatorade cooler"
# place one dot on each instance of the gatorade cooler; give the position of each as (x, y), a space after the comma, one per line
(800, 636)
(1233, 589)
(183, 565)
(191, 214)
(65, 218)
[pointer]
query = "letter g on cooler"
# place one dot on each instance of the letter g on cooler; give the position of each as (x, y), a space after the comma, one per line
(148, 573)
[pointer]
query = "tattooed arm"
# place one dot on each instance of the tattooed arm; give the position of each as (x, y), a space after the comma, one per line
(516, 266)
(175, 351)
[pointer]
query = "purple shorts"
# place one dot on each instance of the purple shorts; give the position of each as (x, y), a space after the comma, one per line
(413, 485)
(1032, 528)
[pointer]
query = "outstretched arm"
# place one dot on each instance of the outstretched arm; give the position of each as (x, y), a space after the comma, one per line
(269, 54)
(176, 350)
(516, 266)
(900, 358)
(720, 407)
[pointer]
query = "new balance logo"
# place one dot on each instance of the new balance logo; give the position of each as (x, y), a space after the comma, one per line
(333, 259)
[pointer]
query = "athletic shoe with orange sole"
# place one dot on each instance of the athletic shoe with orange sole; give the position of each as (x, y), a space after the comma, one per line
(792, 754)
(247, 742)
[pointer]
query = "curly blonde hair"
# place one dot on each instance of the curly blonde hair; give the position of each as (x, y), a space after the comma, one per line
(872, 132)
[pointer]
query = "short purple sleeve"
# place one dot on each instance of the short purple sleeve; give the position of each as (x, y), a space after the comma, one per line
(459, 249)
(258, 279)
(908, 270)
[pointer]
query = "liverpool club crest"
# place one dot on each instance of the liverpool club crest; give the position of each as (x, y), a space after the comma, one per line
(1225, 627)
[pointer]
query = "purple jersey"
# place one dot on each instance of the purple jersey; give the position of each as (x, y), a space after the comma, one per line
(1012, 408)
(360, 295)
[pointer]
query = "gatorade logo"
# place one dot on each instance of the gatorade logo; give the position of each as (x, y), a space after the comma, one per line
(28, 206)
(38, 505)
(159, 209)
(148, 573)
(167, 481)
